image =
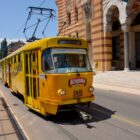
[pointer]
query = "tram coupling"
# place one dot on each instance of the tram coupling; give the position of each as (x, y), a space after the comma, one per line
(85, 115)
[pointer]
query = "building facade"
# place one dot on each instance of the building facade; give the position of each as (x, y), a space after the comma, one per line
(111, 27)
(13, 46)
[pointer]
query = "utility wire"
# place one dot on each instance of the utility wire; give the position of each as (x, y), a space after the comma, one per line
(42, 3)
(18, 30)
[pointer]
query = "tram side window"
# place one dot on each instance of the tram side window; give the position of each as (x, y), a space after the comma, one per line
(11, 63)
(0, 70)
(26, 60)
(47, 61)
(19, 68)
(10, 60)
(18, 57)
(0, 67)
(14, 59)
(33, 57)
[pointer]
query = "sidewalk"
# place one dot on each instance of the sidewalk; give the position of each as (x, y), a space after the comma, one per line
(128, 82)
(10, 128)
(7, 129)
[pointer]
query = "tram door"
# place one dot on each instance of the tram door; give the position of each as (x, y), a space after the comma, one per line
(3, 70)
(32, 79)
(9, 72)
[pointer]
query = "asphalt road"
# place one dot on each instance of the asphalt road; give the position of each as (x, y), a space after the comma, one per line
(116, 116)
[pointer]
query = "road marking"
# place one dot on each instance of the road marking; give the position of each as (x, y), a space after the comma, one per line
(126, 120)
(132, 122)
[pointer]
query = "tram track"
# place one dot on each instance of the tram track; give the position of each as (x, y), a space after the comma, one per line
(96, 117)
(81, 114)
(99, 114)
(65, 132)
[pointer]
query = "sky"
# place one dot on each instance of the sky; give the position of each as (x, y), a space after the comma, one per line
(13, 16)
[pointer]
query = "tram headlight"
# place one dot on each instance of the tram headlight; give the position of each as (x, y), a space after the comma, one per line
(61, 92)
(91, 89)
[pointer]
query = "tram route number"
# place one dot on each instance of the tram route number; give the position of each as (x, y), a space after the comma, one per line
(78, 93)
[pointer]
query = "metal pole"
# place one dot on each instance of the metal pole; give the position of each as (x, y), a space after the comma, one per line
(126, 51)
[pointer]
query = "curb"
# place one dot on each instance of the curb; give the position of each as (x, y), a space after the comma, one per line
(117, 88)
(19, 129)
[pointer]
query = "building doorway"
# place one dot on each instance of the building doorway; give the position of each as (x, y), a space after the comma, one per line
(116, 52)
(114, 32)
(137, 45)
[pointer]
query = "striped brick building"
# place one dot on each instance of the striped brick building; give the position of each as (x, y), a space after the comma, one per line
(112, 28)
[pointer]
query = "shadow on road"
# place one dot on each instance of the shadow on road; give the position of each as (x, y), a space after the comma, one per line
(98, 113)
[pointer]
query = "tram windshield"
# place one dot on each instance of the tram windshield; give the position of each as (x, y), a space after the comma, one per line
(65, 61)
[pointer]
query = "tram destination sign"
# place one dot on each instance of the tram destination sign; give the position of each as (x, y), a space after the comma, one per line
(66, 41)
(77, 81)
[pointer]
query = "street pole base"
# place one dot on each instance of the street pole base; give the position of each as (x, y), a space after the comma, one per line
(126, 69)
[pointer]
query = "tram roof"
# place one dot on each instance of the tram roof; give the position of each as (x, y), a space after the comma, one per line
(45, 42)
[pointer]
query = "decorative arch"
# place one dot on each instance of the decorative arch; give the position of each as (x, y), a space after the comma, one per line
(113, 9)
(108, 7)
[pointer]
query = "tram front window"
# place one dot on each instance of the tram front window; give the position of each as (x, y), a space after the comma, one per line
(68, 60)
(47, 64)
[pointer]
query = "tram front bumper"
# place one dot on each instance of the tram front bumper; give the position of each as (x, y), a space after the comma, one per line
(52, 106)
(76, 101)
(68, 101)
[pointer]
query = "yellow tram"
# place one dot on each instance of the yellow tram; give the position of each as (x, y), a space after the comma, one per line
(50, 74)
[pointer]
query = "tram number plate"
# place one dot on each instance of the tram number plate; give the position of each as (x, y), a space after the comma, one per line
(78, 93)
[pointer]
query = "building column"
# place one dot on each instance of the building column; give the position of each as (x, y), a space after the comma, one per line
(126, 47)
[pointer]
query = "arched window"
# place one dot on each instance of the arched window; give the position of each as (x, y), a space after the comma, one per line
(69, 18)
(75, 3)
(68, 10)
(76, 14)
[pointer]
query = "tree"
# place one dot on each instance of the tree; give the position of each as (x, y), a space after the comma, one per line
(4, 48)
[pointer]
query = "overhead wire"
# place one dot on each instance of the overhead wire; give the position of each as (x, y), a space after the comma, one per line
(18, 30)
